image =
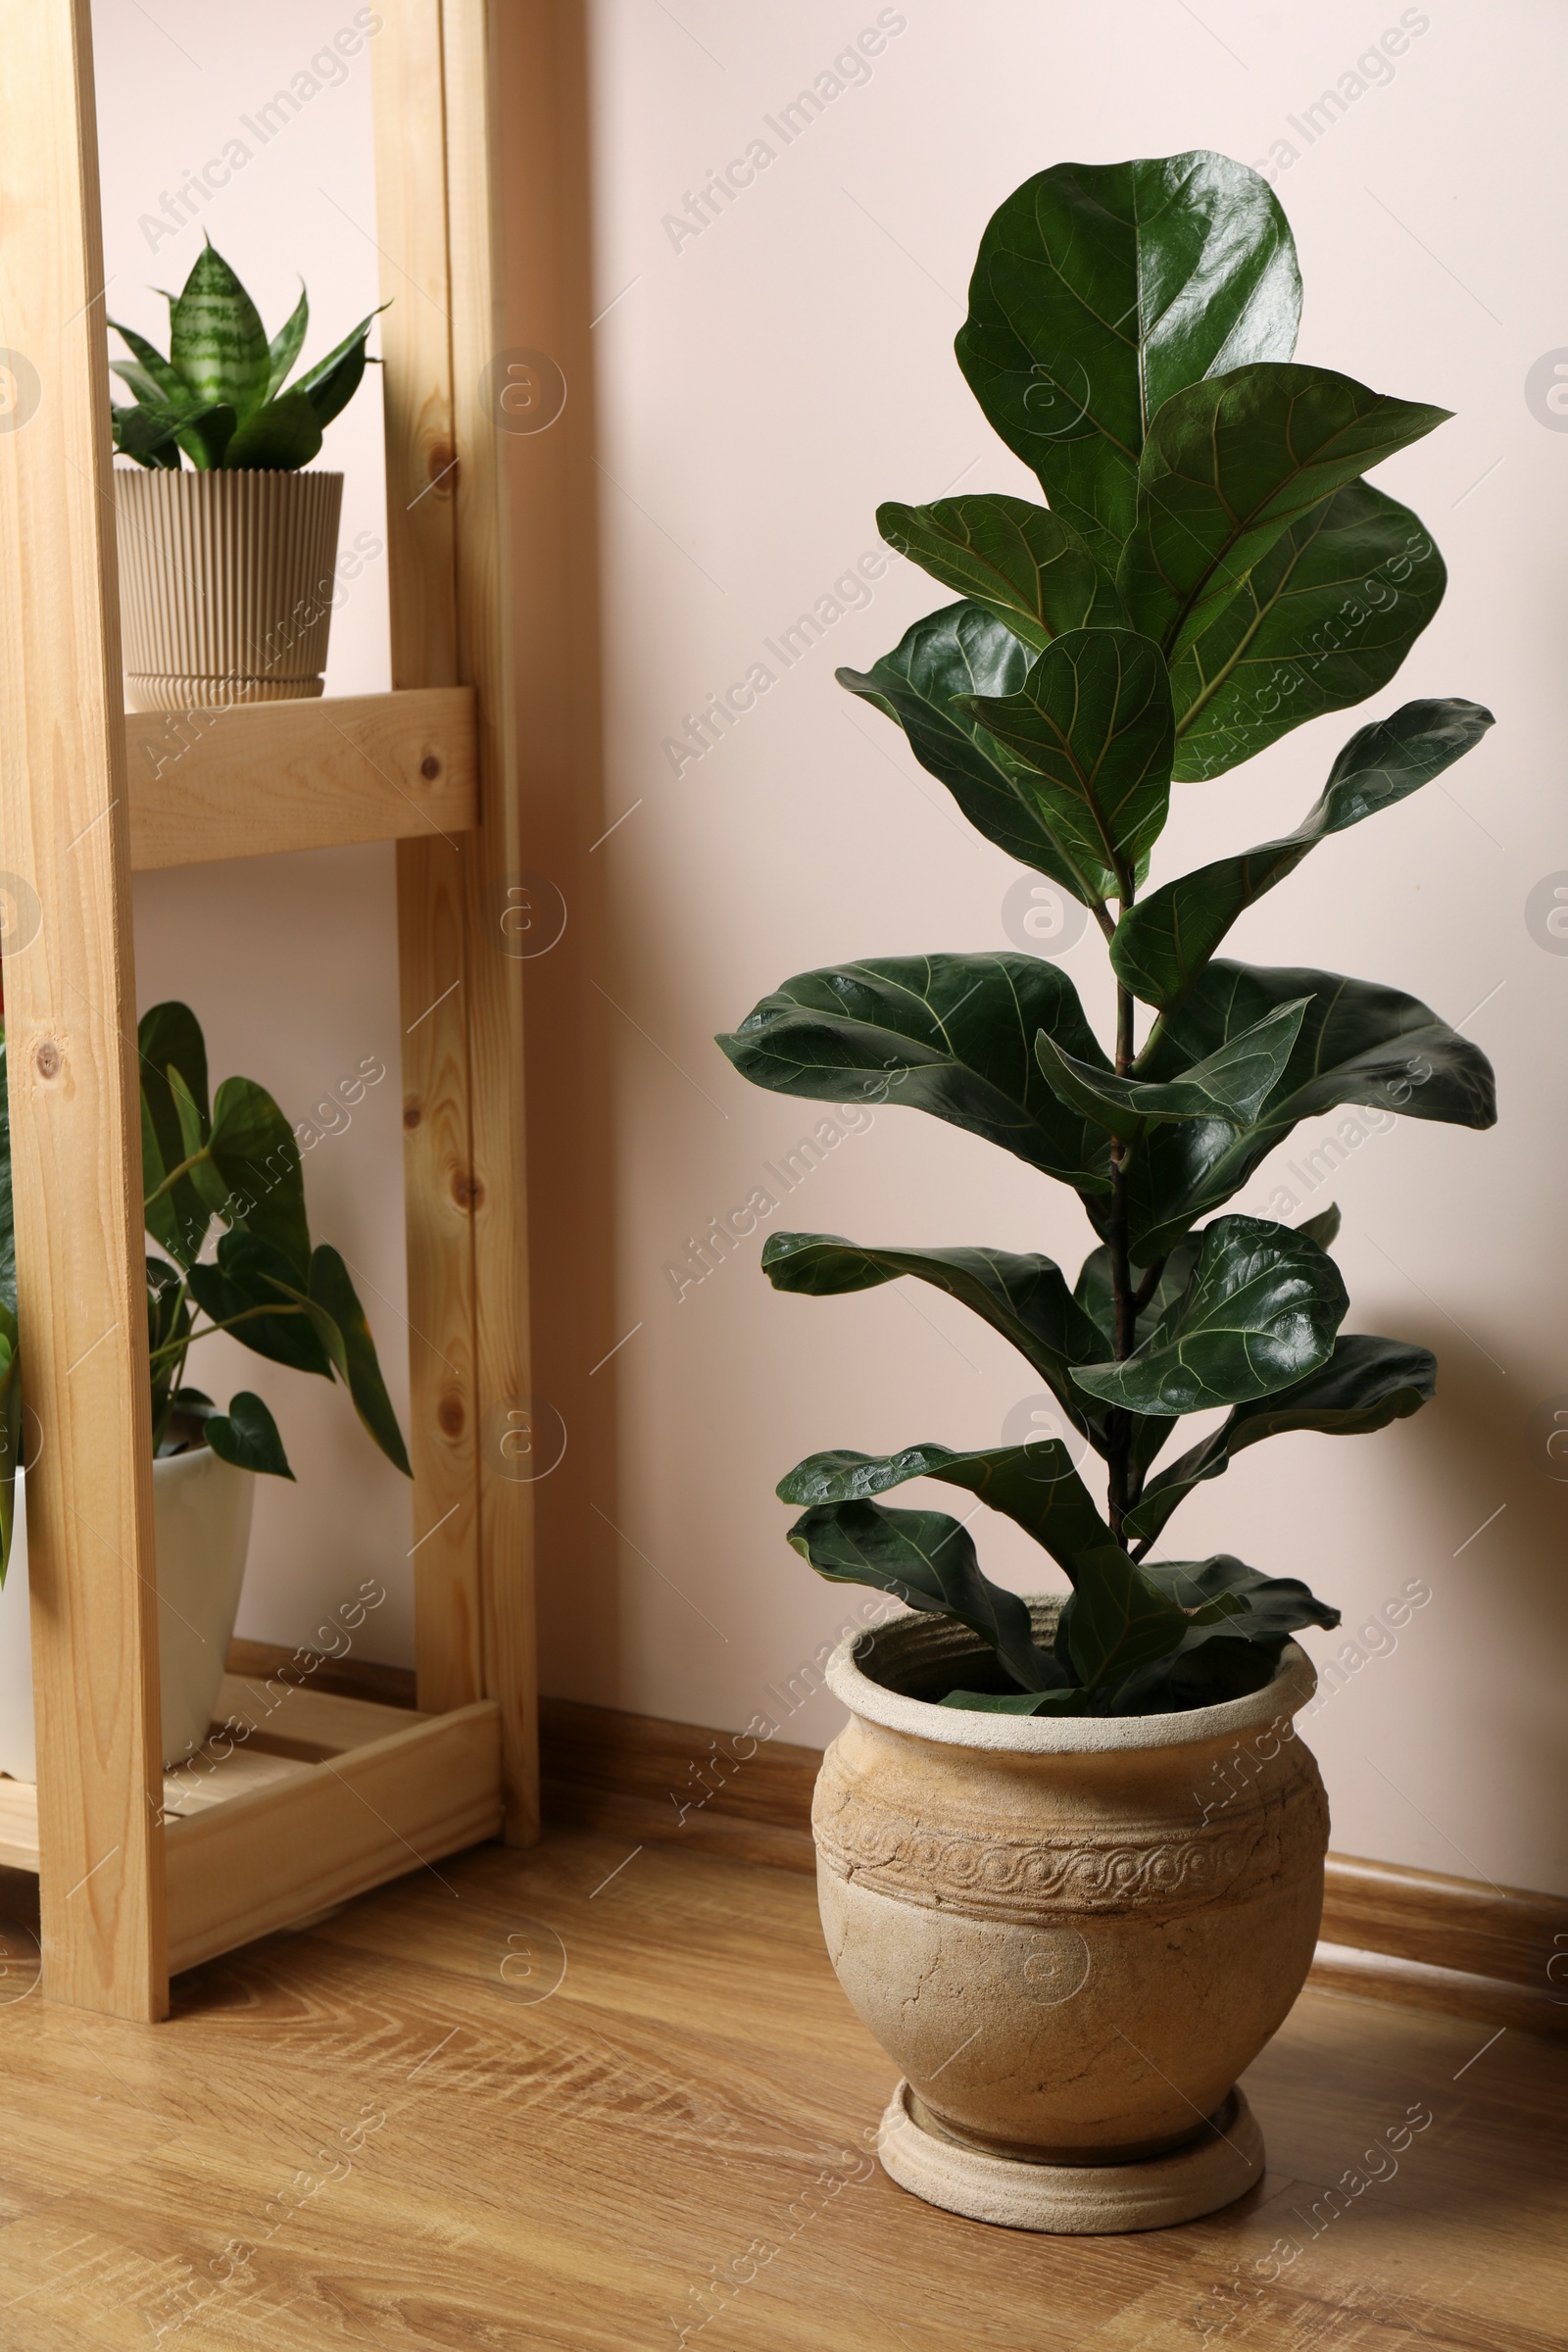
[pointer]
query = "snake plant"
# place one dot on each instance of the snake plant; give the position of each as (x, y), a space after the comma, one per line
(222, 395)
(232, 1162)
(1212, 569)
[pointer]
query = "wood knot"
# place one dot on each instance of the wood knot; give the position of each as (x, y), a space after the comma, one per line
(442, 464)
(412, 1115)
(466, 1190)
(429, 768)
(47, 1059)
(450, 1417)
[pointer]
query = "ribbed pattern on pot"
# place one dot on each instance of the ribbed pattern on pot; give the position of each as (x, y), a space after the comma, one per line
(225, 584)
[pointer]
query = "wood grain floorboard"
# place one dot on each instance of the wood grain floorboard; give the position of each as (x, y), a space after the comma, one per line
(548, 2098)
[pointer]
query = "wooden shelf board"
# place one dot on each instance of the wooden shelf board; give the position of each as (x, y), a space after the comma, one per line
(262, 777)
(325, 1798)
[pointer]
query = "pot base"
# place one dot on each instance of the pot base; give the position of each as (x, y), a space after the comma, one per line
(1077, 2200)
(204, 697)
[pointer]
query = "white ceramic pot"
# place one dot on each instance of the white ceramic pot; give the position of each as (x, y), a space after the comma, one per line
(226, 585)
(1071, 1934)
(202, 1519)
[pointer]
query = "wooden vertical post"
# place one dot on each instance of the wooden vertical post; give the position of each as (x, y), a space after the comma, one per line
(71, 1024)
(508, 1431)
(461, 992)
(432, 896)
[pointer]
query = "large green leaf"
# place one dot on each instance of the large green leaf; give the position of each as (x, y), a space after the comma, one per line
(1323, 619)
(1025, 1298)
(1231, 1084)
(341, 1326)
(1033, 1484)
(247, 1436)
(1366, 1383)
(278, 438)
(1099, 290)
(332, 382)
(963, 651)
(252, 1177)
(1116, 1620)
(1260, 1311)
(1021, 563)
(170, 387)
(952, 1035)
(1228, 465)
(1163, 943)
(1240, 1626)
(168, 1037)
(1358, 1043)
(927, 1560)
(251, 1276)
(1093, 723)
(285, 348)
(216, 340)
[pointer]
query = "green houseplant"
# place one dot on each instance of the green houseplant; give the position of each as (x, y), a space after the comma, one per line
(228, 1161)
(228, 570)
(1071, 1950)
(1212, 571)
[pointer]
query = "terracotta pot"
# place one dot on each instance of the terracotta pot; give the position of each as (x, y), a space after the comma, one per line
(226, 585)
(1071, 1934)
(201, 1521)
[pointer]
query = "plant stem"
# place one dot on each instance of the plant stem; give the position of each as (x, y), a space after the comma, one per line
(174, 1175)
(181, 1348)
(1118, 1424)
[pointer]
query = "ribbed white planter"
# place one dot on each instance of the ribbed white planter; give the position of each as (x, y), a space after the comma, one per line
(202, 1519)
(1071, 1934)
(226, 586)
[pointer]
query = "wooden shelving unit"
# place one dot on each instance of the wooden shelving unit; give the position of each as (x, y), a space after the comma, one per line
(143, 1874)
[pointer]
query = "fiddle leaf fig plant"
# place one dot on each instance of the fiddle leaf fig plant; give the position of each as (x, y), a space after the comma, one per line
(1212, 569)
(230, 1162)
(222, 395)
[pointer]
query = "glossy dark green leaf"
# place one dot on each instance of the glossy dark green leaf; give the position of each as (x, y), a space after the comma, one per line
(217, 341)
(965, 651)
(927, 1560)
(1323, 619)
(168, 1037)
(1093, 727)
(278, 438)
(1259, 1311)
(285, 348)
(1226, 1598)
(1358, 1043)
(1219, 1665)
(341, 1326)
(205, 434)
(1116, 1620)
(1025, 1298)
(1230, 1084)
(247, 1436)
(1033, 1484)
(150, 435)
(170, 386)
(1228, 465)
(1099, 290)
(1324, 1227)
(952, 1035)
(1164, 941)
(1093, 1288)
(1366, 1383)
(332, 382)
(256, 1289)
(253, 1176)
(1069, 1699)
(1022, 564)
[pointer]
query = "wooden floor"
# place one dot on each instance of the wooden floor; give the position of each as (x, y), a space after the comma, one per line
(546, 2099)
